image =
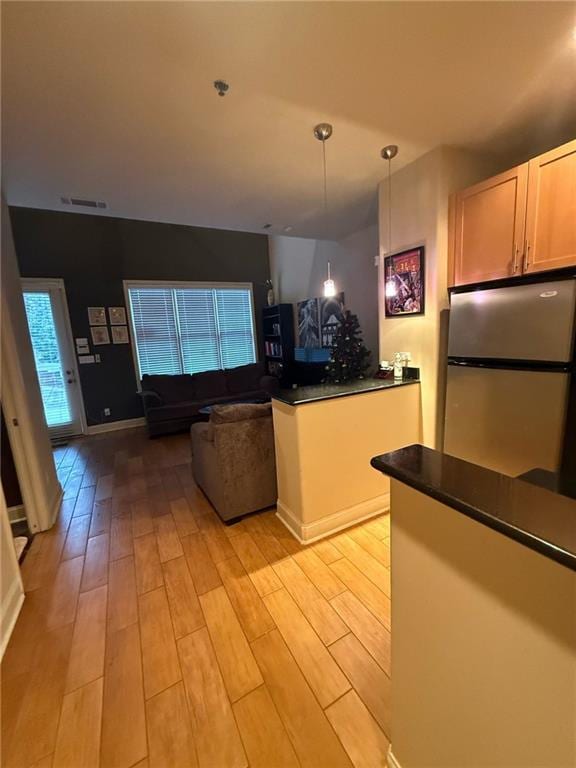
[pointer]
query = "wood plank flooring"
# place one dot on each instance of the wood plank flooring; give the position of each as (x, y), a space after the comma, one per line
(152, 635)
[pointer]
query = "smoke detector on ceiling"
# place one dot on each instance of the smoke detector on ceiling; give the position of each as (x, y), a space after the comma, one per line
(83, 202)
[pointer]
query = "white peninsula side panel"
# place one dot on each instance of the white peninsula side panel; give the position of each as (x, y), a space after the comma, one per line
(323, 452)
(484, 644)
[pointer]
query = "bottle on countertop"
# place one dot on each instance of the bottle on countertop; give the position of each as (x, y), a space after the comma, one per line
(398, 367)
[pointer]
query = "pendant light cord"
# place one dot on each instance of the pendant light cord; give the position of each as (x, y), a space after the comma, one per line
(389, 205)
(325, 185)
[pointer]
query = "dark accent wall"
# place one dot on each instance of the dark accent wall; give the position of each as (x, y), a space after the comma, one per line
(94, 254)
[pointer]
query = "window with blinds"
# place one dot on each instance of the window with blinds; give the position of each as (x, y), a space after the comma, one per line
(181, 329)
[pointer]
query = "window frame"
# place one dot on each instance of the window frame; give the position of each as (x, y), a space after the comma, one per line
(174, 285)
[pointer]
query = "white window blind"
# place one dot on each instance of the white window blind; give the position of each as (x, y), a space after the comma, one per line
(234, 313)
(154, 324)
(181, 329)
(198, 330)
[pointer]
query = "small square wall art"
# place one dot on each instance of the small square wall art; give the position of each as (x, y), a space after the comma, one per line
(100, 335)
(97, 315)
(117, 315)
(120, 334)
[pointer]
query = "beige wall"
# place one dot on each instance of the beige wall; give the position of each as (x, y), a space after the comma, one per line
(484, 644)
(298, 268)
(21, 398)
(420, 193)
(291, 262)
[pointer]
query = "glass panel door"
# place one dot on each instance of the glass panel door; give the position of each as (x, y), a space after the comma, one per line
(54, 357)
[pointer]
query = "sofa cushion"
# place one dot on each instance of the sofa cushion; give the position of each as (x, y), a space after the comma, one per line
(186, 410)
(172, 389)
(245, 378)
(209, 384)
(224, 414)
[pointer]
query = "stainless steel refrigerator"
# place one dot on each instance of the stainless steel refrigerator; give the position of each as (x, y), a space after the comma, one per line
(510, 391)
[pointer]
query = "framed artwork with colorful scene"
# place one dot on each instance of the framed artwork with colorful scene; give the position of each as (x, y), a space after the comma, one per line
(404, 283)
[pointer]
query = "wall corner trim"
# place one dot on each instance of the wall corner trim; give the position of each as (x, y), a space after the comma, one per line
(55, 506)
(391, 760)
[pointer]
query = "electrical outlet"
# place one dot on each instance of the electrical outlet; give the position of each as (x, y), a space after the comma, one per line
(106, 411)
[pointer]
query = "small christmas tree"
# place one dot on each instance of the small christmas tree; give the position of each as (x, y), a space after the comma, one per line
(350, 358)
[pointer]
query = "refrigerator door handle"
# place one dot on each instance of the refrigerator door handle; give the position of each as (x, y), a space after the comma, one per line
(548, 366)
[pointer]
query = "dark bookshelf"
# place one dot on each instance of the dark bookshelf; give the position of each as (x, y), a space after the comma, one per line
(278, 331)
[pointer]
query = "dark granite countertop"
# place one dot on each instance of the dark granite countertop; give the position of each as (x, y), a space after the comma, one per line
(534, 516)
(311, 394)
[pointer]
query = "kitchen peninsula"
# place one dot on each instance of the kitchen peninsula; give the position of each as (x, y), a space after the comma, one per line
(324, 438)
(484, 613)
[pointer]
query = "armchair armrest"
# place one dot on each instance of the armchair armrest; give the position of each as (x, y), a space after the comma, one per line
(150, 399)
(204, 431)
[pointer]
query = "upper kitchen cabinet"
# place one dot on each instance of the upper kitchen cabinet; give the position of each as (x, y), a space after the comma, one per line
(520, 221)
(551, 212)
(489, 223)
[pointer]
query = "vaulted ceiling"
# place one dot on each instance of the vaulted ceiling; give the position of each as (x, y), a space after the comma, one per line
(114, 101)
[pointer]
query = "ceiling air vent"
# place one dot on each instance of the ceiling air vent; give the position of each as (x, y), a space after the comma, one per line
(84, 203)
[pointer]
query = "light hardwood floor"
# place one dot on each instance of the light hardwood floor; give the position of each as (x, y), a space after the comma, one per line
(153, 635)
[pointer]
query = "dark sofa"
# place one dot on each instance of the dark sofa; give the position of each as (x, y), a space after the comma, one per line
(171, 403)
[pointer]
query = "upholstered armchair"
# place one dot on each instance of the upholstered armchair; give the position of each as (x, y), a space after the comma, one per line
(233, 458)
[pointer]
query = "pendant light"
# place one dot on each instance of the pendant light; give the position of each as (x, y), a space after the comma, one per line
(329, 285)
(389, 153)
(322, 132)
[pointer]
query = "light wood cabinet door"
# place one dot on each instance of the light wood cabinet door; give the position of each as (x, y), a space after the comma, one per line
(551, 213)
(489, 221)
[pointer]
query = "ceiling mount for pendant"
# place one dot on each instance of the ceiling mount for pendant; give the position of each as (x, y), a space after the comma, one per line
(389, 152)
(323, 131)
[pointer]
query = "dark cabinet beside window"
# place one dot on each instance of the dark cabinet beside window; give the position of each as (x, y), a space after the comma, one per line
(278, 327)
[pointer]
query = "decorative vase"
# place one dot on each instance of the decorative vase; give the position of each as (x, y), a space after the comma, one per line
(270, 297)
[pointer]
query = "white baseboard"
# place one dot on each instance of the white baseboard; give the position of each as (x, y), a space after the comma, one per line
(113, 426)
(391, 760)
(330, 524)
(11, 606)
